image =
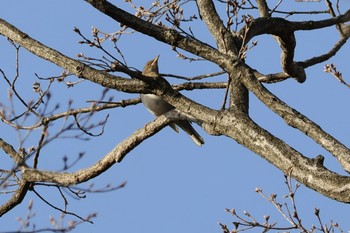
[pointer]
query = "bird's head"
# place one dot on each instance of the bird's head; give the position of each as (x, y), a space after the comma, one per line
(151, 68)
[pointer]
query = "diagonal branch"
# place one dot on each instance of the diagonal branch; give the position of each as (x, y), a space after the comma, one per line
(311, 25)
(324, 57)
(309, 172)
(16, 198)
(166, 35)
(115, 156)
(297, 120)
(12, 153)
(75, 67)
(226, 41)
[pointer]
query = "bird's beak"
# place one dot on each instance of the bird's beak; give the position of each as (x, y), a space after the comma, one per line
(155, 61)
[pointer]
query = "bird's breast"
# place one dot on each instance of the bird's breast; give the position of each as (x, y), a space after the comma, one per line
(155, 104)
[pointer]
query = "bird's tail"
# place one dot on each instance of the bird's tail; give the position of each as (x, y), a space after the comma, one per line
(187, 127)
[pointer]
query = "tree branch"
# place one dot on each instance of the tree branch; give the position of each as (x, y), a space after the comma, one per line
(116, 155)
(295, 119)
(263, 8)
(275, 25)
(326, 56)
(242, 128)
(287, 159)
(230, 44)
(18, 159)
(73, 66)
(168, 36)
(16, 198)
(226, 41)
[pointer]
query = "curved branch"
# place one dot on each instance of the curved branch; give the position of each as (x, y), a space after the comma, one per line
(278, 77)
(284, 30)
(115, 156)
(284, 35)
(324, 57)
(275, 25)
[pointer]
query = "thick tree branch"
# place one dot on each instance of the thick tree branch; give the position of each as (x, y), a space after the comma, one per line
(226, 41)
(239, 95)
(312, 174)
(242, 128)
(263, 8)
(166, 35)
(299, 121)
(287, 43)
(230, 44)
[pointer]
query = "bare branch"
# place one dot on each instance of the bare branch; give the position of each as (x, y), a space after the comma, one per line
(224, 38)
(75, 67)
(162, 34)
(301, 122)
(64, 211)
(12, 153)
(324, 57)
(116, 155)
(16, 198)
(263, 8)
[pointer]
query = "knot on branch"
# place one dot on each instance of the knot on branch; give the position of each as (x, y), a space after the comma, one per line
(296, 71)
(80, 70)
(318, 161)
(171, 35)
(210, 129)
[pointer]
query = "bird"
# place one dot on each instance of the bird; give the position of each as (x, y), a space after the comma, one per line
(158, 106)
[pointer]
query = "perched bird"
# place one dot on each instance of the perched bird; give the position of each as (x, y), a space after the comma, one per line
(158, 106)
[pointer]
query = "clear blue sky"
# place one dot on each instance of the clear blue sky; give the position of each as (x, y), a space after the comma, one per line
(173, 185)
